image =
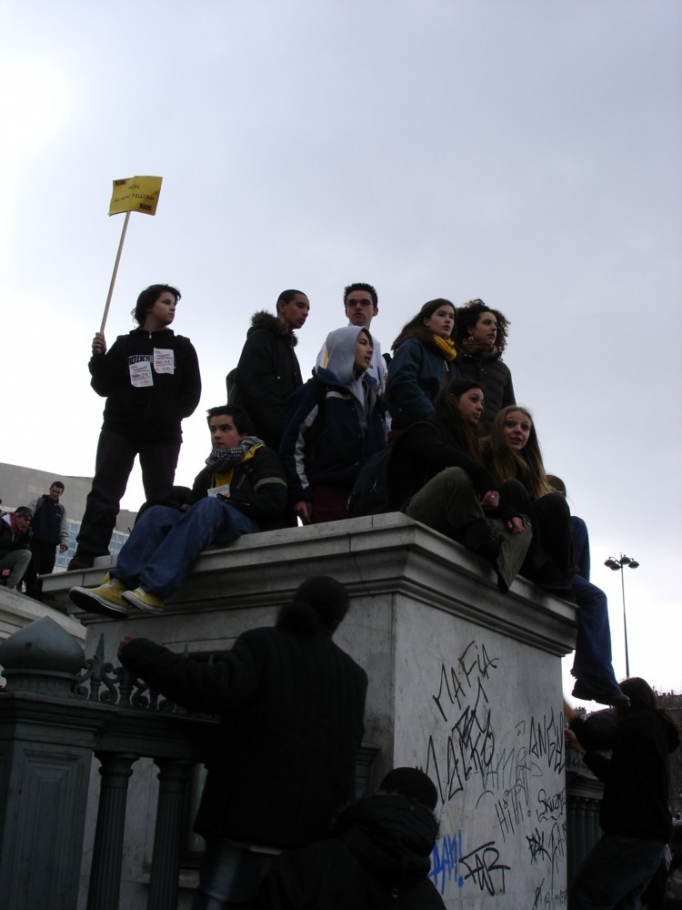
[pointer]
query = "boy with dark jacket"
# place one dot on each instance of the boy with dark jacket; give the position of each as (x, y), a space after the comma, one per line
(50, 530)
(268, 372)
(377, 855)
(242, 490)
(15, 543)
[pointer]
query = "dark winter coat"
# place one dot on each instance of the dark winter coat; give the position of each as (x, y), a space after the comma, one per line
(419, 454)
(379, 856)
(291, 721)
(495, 379)
(258, 489)
(636, 777)
(266, 376)
(10, 541)
(324, 442)
(151, 413)
(49, 525)
(416, 374)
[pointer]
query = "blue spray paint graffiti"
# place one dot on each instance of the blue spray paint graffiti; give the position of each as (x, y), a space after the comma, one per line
(480, 866)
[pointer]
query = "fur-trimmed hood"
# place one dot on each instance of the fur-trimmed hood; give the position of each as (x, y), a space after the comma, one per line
(265, 320)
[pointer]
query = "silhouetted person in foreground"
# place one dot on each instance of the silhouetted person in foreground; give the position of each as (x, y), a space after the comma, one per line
(634, 814)
(378, 855)
(291, 707)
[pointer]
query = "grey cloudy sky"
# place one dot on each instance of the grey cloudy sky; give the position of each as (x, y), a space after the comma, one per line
(524, 152)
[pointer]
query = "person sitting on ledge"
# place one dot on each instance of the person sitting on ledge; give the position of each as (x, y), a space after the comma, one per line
(242, 490)
(336, 424)
(378, 855)
(592, 664)
(436, 476)
(15, 546)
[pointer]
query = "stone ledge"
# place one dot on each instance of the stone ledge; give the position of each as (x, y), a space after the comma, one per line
(378, 555)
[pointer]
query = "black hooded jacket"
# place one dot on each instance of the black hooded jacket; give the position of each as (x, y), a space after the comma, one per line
(266, 376)
(147, 412)
(291, 721)
(378, 856)
(636, 777)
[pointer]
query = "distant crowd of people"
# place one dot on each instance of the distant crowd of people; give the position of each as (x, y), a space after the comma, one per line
(439, 426)
(29, 539)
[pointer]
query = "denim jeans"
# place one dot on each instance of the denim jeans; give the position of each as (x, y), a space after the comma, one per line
(614, 873)
(592, 661)
(230, 877)
(165, 543)
(581, 546)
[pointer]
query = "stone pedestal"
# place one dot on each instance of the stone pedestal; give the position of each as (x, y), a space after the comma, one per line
(465, 683)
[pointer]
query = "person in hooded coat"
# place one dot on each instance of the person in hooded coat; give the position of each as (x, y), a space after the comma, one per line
(378, 855)
(634, 815)
(336, 424)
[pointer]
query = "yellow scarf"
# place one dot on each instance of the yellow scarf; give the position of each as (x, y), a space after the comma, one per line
(446, 346)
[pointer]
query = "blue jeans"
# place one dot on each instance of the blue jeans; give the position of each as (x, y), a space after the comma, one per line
(581, 546)
(230, 877)
(615, 873)
(592, 662)
(165, 543)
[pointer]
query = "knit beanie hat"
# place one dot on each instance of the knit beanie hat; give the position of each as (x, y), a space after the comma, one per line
(326, 596)
(412, 783)
(319, 604)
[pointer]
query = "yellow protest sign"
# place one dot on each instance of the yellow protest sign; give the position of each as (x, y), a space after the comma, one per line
(135, 194)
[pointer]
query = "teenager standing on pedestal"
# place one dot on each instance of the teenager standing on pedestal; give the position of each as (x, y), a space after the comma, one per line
(151, 381)
(268, 372)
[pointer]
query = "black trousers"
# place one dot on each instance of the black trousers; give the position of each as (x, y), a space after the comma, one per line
(115, 458)
(43, 556)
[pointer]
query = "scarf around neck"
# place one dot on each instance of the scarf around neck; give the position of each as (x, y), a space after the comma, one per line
(446, 346)
(220, 461)
(484, 349)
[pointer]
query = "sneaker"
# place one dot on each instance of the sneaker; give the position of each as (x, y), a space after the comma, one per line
(143, 600)
(106, 599)
(585, 692)
(76, 563)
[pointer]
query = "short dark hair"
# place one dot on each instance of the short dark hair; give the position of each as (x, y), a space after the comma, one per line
(57, 483)
(361, 286)
(23, 512)
(148, 298)
(241, 419)
(288, 296)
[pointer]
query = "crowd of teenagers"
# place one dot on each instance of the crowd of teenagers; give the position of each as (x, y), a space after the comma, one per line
(438, 425)
(437, 421)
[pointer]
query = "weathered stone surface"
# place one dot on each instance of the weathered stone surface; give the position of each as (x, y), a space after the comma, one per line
(465, 682)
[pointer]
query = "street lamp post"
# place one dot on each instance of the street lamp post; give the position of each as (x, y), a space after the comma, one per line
(618, 565)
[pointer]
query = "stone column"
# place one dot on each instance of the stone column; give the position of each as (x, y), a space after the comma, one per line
(168, 836)
(105, 874)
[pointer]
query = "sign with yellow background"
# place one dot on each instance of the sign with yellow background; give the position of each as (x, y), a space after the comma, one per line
(135, 194)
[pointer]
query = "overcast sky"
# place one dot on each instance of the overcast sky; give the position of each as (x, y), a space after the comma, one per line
(527, 153)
